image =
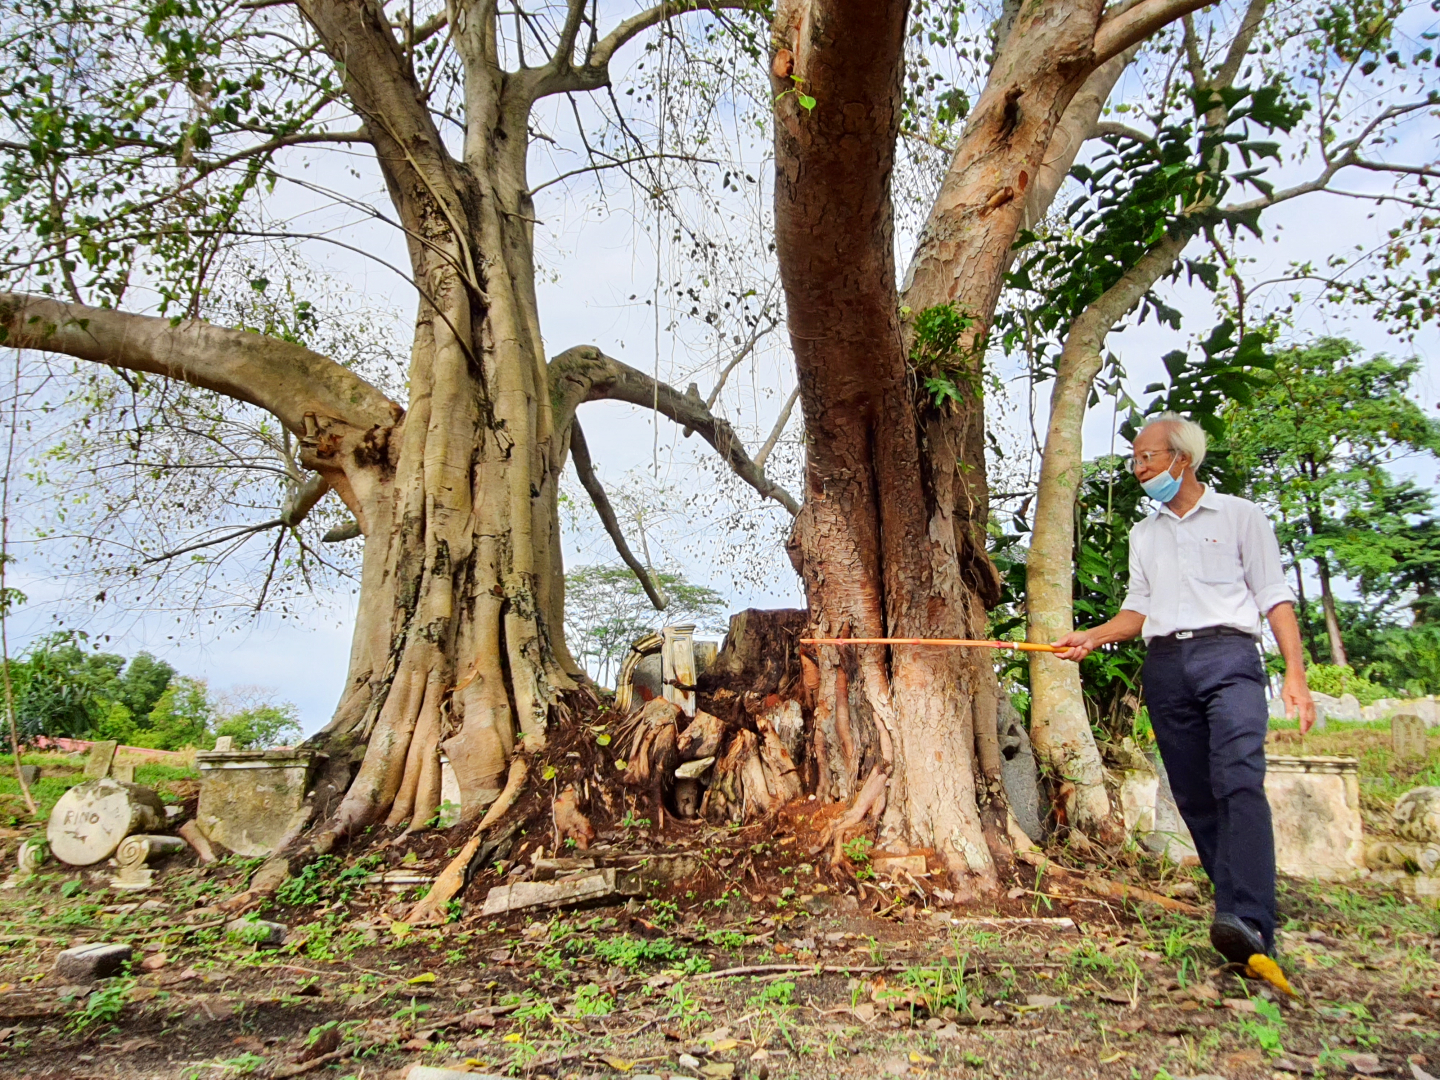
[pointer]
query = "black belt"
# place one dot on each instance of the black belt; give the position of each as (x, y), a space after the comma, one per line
(1207, 631)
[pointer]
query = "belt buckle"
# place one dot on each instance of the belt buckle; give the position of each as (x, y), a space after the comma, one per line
(1184, 635)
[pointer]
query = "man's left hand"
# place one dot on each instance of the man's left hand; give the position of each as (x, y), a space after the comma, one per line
(1298, 702)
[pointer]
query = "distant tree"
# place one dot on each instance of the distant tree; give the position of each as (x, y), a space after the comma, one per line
(181, 718)
(142, 682)
(606, 609)
(256, 721)
(1314, 440)
(63, 690)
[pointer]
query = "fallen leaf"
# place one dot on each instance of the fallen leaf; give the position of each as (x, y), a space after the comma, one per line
(917, 1058)
(721, 1046)
(1041, 1001)
(1406, 1018)
(1418, 1073)
(864, 1012)
(1302, 1068)
(1240, 1005)
(1110, 1059)
(619, 1064)
(427, 977)
(129, 1046)
(416, 1044)
(1114, 997)
(1270, 971)
(514, 1036)
(400, 929)
(602, 739)
(718, 1069)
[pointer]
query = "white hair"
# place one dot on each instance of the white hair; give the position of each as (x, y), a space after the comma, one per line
(1184, 436)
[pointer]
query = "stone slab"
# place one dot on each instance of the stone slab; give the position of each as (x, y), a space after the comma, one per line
(564, 892)
(258, 932)
(102, 756)
(430, 1072)
(693, 770)
(124, 771)
(250, 799)
(91, 819)
(895, 865)
(550, 869)
(1019, 774)
(1315, 809)
(30, 774)
(86, 963)
(1407, 737)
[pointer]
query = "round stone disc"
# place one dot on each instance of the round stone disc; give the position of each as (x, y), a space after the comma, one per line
(92, 818)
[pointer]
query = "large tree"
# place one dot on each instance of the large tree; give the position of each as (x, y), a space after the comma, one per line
(454, 489)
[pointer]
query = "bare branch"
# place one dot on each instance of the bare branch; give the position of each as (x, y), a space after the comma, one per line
(585, 469)
(777, 430)
(287, 380)
(1133, 25)
(759, 332)
(1123, 131)
(619, 163)
(233, 534)
(584, 373)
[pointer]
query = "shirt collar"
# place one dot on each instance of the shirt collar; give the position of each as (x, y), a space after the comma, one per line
(1208, 501)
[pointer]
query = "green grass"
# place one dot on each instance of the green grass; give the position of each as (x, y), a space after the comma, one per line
(58, 774)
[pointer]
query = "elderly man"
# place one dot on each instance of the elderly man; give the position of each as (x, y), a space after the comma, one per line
(1204, 568)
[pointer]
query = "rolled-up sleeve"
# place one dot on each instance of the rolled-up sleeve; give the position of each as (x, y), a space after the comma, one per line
(1260, 556)
(1137, 597)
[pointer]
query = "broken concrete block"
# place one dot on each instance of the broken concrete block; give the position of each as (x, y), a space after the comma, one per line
(124, 771)
(224, 744)
(1407, 737)
(91, 819)
(102, 756)
(250, 799)
(563, 892)
(1315, 807)
(86, 963)
(1417, 815)
(132, 855)
(191, 834)
(550, 869)
(693, 770)
(30, 774)
(258, 932)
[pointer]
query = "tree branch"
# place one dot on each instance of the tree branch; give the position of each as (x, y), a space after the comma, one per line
(585, 469)
(1123, 131)
(286, 380)
(777, 430)
(1133, 25)
(584, 373)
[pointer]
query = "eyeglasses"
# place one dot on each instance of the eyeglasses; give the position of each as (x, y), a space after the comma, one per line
(1134, 461)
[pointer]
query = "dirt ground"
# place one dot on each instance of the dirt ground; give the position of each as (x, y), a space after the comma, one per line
(777, 974)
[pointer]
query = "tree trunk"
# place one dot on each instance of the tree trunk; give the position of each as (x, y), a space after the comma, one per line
(1059, 724)
(1332, 618)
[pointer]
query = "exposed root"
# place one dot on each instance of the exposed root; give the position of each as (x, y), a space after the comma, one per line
(701, 738)
(869, 802)
(652, 754)
(431, 911)
(570, 823)
(842, 723)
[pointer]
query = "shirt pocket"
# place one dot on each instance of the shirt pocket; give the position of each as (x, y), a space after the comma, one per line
(1219, 562)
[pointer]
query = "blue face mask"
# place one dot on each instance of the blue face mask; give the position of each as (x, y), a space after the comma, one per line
(1162, 487)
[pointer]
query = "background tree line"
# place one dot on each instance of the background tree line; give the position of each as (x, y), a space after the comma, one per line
(66, 689)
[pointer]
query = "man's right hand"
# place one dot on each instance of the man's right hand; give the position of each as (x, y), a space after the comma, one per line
(1077, 645)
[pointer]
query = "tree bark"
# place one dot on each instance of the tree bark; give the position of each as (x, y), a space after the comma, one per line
(1332, 617)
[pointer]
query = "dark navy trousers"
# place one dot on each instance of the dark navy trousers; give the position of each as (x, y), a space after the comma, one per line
(1207, 705)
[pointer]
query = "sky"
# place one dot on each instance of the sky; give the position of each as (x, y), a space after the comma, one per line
(601, 261)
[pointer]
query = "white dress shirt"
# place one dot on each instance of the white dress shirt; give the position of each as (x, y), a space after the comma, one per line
(1219, 565)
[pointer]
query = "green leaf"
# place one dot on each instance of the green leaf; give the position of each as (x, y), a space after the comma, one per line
(602, 739)
(806, 101)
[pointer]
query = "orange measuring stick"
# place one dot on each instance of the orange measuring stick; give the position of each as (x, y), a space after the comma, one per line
(1023, 646)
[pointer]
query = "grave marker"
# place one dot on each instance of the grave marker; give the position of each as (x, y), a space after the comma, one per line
(102, 756)
(1407, 737)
